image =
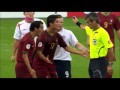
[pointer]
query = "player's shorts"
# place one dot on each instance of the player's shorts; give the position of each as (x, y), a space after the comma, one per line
(45, 70)
(98, 68)
(21, 70)
(63, 68)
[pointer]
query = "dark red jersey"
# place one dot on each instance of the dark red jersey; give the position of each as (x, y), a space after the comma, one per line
(27, 45)
(110, 23)
(48, 44)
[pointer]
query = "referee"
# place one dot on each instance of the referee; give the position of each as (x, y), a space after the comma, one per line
(100, 45)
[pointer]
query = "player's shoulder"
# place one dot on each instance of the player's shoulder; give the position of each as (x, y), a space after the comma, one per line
(38, 19)
(67, 31)
(22, 21)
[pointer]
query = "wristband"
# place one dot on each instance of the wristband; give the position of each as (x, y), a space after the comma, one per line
(78, 24)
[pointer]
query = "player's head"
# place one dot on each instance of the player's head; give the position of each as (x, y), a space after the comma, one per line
(53, 22)
(92, 20)
(29, 16)
(60, 21)
(36, 27)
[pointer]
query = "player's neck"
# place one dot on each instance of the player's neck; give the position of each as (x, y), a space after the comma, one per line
(96, 28)
(50, 32)
(105, 14)
(33, 34)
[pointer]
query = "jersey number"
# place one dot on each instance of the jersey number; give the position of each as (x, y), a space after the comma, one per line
(105, 24)
(52, 45)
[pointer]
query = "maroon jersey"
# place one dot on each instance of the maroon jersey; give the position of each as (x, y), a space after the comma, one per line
(110, 23)
(26, 44)
(48, 44)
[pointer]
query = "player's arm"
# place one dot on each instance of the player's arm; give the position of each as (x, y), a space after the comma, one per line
(75, 51)
(27, 63)
(79, 24)
(14, 50)
(118, 34)
(42, 57)
(81, 47)
(16, 37)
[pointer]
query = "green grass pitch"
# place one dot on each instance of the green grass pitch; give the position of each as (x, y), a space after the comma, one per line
(79, 64)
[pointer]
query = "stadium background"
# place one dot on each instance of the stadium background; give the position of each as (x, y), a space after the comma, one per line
(8, 21)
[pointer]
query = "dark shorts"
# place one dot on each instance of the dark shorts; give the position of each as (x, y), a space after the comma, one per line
(21, 70)
(63, 68)
(98, 68)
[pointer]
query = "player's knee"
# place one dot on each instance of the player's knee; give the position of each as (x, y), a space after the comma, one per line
(97, 74)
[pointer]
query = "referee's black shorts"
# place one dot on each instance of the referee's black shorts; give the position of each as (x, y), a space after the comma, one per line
(98, 67)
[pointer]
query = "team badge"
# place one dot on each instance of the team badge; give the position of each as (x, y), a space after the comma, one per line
(94, 41)
(40, 44)
(28, 46)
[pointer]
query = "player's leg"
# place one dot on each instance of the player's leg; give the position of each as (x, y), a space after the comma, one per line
(52, 70)
(21, 71)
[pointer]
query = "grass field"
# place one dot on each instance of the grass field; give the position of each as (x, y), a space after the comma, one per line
(79, 64)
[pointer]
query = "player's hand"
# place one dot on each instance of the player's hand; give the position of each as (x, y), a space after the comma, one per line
(33, 73)
(109, 69)
(75, 20)
(13, 58)
(48, 60)
(86, 54)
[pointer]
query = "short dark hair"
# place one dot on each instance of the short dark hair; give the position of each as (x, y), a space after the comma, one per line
(51, 19)
(92, 17)
(35, 24)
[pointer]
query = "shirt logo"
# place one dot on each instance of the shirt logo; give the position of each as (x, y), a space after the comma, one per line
(94, 41)
(28, 46)
(40, 44)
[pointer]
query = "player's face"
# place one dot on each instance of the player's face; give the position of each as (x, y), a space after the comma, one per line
(29, 16)
(56, 25)
(60, 20)
(91, 24)
(39, 30)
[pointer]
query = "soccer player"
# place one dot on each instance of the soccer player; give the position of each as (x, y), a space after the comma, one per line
(62, 58)
(100, 45)
(22, 28)
(110, 22)
(25, 52)
(47, 42)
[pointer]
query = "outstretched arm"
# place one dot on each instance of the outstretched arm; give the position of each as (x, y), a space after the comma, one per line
(75, 20)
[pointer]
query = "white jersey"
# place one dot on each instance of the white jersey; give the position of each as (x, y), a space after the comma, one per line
(23, 27)
(71, 40)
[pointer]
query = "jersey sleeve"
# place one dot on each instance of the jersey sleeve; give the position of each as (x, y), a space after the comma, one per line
(73, 39)
(88, 30)
(61, 42)
(26, 46)
(106, 39)
(17, 33)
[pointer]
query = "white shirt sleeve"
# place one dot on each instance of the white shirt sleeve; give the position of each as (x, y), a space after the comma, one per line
(73, 39)
(17, 33)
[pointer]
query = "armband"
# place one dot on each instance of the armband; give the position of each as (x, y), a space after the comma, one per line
(78, 24)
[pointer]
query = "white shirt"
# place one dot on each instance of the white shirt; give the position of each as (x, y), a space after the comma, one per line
(23, 27)
(71, 40)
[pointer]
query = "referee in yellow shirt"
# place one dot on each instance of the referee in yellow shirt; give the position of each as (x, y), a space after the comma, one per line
(100, 45)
